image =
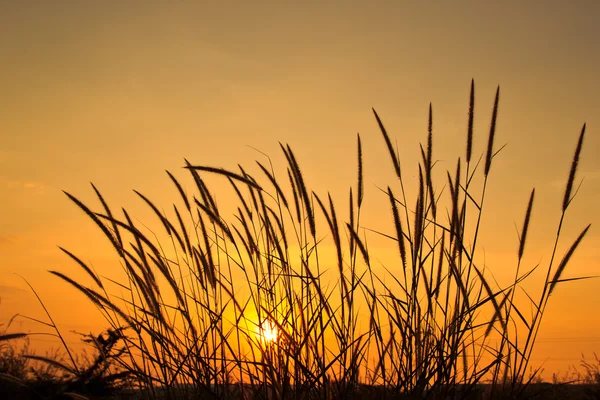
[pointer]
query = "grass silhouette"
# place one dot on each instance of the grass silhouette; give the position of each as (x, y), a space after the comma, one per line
(434, 326)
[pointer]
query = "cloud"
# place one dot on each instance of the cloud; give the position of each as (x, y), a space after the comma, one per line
(580, 177)
(9, 183)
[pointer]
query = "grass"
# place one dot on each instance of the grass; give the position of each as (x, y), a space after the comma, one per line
(195, 307)
(25, 375)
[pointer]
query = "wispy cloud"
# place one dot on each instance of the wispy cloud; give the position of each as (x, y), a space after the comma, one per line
(9, 183)
(581, 176)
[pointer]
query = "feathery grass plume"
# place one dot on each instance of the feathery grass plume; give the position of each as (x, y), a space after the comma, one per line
(166, 223)
(569, 188)
(271, 241)
(454, 186)
(454, 204)
(197, 180)
(526, 225)
(186, 238)
(156, 211)
(109, 213)
(97, 221)
(251, 190)
(490, 146)
(359, 243)
(224, 172)
(333, 226)
(565, 260)
(433, 203)
(147, 287)
(276, 238)
(249, 238)
(351, 212)
(428, 162)
(201, 266)
(180, 190)
(133, 230)
(438, 281)
(158, 259)
(280, 225)
(295, 193)
(241, 197)
(470, 123)
(360, 188)
(206, 256)
(419, 211)
(429, 140)
(398, 226)
(146, 270)
(338, 245)
(388, 142)
(457, 188)
(11, 336)
(332, 222)
(97, 298)
(300, 185)
(84, 266)
(216, 220)
(207, 198)
(275, 184)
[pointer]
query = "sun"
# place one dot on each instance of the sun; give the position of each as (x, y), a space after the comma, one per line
(268, 332)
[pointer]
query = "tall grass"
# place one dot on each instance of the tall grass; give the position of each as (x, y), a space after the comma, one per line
(252, 305)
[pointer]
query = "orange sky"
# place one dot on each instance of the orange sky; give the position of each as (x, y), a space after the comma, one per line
(115, 94)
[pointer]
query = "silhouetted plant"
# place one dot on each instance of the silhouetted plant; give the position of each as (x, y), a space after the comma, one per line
(193, 309)
(26, 375)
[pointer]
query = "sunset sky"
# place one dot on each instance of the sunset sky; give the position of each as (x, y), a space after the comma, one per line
(114, 93)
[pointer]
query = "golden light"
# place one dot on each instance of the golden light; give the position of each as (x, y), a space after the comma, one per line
(268, 332)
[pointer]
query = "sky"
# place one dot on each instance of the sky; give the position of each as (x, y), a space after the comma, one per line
(115, 93)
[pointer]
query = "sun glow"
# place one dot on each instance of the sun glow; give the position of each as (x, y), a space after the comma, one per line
(267, 332)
